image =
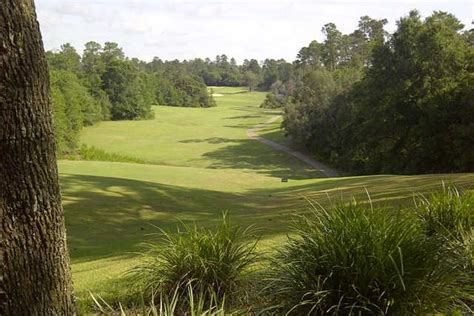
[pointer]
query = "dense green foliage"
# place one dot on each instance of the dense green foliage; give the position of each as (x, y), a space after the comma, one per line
(74, 107)
(370, 102)
(280, 94)
(188, 91)
(123, 85)
(224, 72)
(359, 259)
(213, 261)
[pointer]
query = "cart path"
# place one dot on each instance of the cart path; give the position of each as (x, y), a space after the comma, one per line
(324, 169)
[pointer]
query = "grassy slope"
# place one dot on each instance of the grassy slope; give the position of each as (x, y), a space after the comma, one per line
(203, 164)
(200, 137)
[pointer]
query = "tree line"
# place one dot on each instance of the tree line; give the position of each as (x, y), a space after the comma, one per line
(372, 102)
(224, 71)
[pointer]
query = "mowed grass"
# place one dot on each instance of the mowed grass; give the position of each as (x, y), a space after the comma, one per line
(201, 165)
(200, 137)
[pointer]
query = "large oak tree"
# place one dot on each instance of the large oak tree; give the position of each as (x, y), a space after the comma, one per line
(35, 270)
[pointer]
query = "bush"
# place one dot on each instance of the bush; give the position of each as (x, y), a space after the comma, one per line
(273, 101)
(216, 261)
(353, 259)
(280, 95)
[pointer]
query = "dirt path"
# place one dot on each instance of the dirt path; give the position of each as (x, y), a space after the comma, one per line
(252, 133)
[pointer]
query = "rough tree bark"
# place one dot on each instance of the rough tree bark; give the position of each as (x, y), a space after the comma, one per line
(36, 277)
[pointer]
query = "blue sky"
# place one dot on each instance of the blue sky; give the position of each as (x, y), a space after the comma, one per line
(185, 29)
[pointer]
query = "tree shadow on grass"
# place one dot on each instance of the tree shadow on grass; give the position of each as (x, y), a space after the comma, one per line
(394, 191)
(108, 216)
(242, 117)
(250, 154)
(241, 126)
(212, 140)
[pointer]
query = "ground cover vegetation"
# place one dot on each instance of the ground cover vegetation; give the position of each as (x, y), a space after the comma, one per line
(372, 102)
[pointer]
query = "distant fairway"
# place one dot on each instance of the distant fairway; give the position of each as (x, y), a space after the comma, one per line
(201, 163)
(200, 137)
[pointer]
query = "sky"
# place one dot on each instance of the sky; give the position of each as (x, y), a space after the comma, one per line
(186, 29)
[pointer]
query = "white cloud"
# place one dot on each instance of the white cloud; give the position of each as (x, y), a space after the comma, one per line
(204, 28)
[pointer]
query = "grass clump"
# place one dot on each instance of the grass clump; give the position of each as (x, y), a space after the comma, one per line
(215, 262)
(353, 259)
(198, 304)
(96, 154)
(448, 215)
(449, 212)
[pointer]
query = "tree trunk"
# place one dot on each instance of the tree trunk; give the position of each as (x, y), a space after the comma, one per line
(36, 278)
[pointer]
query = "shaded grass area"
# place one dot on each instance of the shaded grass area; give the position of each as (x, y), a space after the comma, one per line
(274, 132)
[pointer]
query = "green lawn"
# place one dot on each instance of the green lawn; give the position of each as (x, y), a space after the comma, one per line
(200, 137)
(201, 163)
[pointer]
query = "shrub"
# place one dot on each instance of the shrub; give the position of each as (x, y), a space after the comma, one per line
(216, 261)
(272, 102)
(353, 259)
